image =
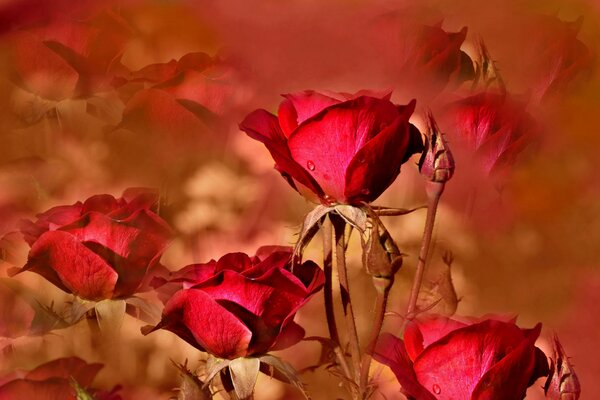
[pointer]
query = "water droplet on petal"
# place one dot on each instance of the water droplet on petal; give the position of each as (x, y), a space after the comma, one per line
(328, 200)
(365, 191)
(437, 389)
(310, 165)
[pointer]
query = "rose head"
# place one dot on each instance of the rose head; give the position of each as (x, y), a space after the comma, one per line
(340, 148)
(444, 359)
(102, 248)
(241, 306)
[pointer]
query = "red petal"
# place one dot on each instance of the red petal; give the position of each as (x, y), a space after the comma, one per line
(423, 332)
(63, 260)
(298, 107)
(455, 363)
(55, 389)
(213, 327)
(264, 127)
(291, 334)
(66, 368)
(391, 351)
(377, 164)
(509, 378)
(326, 143)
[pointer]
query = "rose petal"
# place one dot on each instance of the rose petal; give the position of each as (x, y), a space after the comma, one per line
(290, 334)
(326, 143)
(455, 363)
(52, 389)
(391, 351)
(213, 327)
(423, 332)
(510, 377)
(264, 127)
(298, 107)
(63, 260)
(66, 368)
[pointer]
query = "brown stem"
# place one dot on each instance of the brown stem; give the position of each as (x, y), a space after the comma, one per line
(340, 255)
(328, 295)
(434, 192)
(380, 307)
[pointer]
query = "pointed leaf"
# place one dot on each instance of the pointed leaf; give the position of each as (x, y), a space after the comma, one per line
(310, 227)
(244, 372)
(354, 216)
(110, 314)
(287, 370)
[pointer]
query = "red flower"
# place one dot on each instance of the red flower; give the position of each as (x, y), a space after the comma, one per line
(343, 148)
(53, 381)
(441, 358)
(493, 128)
(241, 306)
(99, 249)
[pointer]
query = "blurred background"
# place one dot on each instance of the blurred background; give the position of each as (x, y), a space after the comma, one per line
(101, 96)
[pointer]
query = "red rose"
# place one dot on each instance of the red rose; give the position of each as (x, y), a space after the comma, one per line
(54, 380)
(241, 306)
(99, 249)
(493, 128)
(442, 358)
(343, 148)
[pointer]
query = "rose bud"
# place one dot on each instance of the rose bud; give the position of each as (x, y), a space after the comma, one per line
(562, 382)
(60, 379)
(437, 163)
(339, 148)
(442, 358)
(241, 306)
(492, 128)
(103, 248)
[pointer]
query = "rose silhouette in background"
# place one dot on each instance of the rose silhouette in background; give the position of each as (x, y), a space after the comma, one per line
(102, 248)
(241, 306)
(422, 57)
(492, 128)
(61, 379)
(337, 147)
(65, 58)
(442, 358)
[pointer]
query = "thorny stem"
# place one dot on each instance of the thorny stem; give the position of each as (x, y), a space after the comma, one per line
(340, 255)
(434, 192)
(328, 294)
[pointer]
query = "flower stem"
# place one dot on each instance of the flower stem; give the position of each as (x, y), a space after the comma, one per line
(328, 294)
(340, 255)
(380, 307)
(434, 192)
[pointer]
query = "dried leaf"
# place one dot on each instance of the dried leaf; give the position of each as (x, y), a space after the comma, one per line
(354, 216)
(244, 372)
(191, 388)
(143, 310)
(214, 365)
(310, 226)
(110, 314)
(439, 295)
(287, 370)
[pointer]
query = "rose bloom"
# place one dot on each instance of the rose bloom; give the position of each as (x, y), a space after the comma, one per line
(102, 248)
(241, 306)
(53, 381)
(337, 148)
(442, 358)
